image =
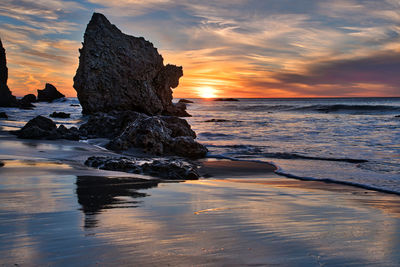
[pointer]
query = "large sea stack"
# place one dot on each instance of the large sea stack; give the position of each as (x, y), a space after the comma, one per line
(121, 72)
(6, 97)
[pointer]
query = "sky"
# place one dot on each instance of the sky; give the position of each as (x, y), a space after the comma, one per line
(228, 48)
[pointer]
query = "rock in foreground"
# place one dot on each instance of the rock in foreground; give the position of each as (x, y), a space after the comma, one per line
(6, 97)
(171, 169)
(160, 135)
(121, 72)
(48, 94)
(44, 128)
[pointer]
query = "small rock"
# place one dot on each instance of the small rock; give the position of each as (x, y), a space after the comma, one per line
(172, 169)
(3, 115)
(397, 116)
(49, 93)
(75, 105)
(44, 128)
(26, 101)
(62, 115)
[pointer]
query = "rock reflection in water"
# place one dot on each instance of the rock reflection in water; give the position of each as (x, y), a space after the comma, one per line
(96, 193)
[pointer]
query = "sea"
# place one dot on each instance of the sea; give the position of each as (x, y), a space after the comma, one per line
(353, 141)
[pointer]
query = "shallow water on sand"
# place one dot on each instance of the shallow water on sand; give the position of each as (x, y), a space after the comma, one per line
(49, 216)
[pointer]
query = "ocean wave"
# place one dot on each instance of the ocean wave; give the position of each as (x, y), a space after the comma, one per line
(328, 180)
(359, 109)
(283, 155)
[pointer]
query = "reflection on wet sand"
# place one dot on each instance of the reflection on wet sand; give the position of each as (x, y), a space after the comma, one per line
(96, 193)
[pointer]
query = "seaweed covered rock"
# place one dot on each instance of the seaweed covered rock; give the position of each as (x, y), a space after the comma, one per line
(6, 97)
(121, 72)
(49, 93)
(43, 128)
(173, 169)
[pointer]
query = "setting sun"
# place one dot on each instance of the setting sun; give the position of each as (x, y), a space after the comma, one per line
(206, 92)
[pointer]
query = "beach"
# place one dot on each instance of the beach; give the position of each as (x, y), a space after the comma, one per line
(231, 218)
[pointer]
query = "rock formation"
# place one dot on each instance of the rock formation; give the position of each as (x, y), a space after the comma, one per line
(44, 128)
(61, 115)
(121, 72)
(153, 135)
(172, 169)
(3, 115)
(6, 97)
(48, 94)
(26, 101)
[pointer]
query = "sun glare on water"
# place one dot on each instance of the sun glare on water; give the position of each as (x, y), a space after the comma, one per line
(206, 92)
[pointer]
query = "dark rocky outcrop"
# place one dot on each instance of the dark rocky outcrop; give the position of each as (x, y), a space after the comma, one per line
(226, 99)
(185, 101)
(121, 72)
(26, 101)
(6, 97)
(171, 169)
(44, 128)
(49, 93)
(3, 115)
(160, 135)
(109, 125)
(61, 115)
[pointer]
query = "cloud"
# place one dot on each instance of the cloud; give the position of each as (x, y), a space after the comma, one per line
(381, 68)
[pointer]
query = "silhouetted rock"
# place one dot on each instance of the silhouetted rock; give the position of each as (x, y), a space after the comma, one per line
(75, 105)
(121, 72)
(397, 116)
(44, 128)
(185, 101)
(171, 169)
(1, 164)
(226, 99)
(6, 97)
(26, 101)
(3, 115)
(62, 115)
(160, 136)
(48, 94)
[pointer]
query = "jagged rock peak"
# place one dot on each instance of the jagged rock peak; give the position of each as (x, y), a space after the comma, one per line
(121, 72)
(49, 93)
(6, 97)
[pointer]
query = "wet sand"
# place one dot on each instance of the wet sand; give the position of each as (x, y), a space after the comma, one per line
(55, 211)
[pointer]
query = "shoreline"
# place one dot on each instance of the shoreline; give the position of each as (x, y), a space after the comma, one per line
(212, 168)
